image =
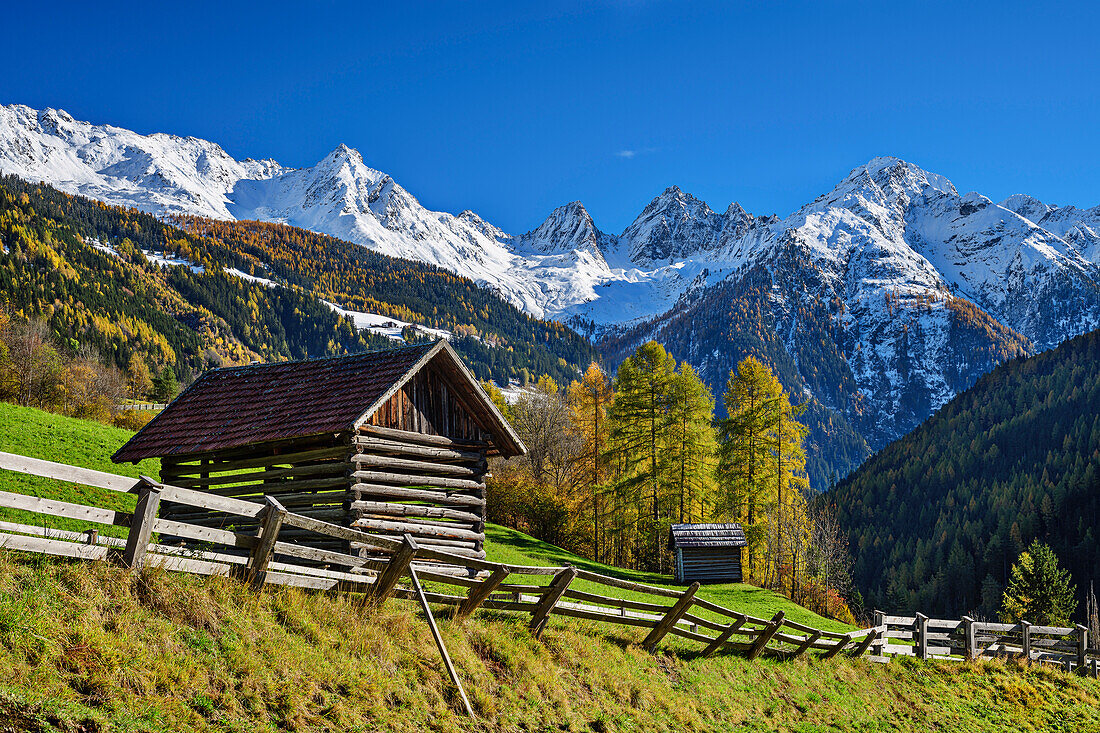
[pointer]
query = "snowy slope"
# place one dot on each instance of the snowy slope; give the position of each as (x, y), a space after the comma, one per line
(905, 288)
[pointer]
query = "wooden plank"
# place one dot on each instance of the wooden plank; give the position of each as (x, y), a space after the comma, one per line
(397, 566)
(72, 474)
(342, 533)
(1082, 647)
(67, 510)
(480, 592)
(810, 640)
(62, 534)
(765, 635)
(141, 527)
(631, 586)
(683, 603)
(58, 548)
(248, 457)
(545, 606)
(722, 638)
(272, 521)
(439, 642)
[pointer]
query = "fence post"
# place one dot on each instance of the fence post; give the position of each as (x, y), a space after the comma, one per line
(920, 631)
(399, 563)
(880, 640)
(971, 638)
(541, 615)
(270, 524)
(141, 526)
(723, 637)
(1025, 631)
(765, 636)
(1082, 648)
(683, 603)
(477, 595)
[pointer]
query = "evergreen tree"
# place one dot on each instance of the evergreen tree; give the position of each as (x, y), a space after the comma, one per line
(1038, 590)
(589, 399)
(691, 450)
(638, 422)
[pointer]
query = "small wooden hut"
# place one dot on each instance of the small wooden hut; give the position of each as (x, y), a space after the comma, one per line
(708, 553)
(391, 442)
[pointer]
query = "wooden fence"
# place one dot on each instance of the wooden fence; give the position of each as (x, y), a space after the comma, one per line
(956, 640)
(466, 584)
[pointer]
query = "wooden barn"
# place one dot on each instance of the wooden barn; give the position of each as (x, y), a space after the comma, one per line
(707, 553)
(391, 442)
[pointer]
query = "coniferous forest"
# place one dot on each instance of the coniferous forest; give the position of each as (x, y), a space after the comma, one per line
(937, 519)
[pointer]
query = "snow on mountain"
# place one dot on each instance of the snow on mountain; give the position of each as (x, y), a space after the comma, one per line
(908, 289)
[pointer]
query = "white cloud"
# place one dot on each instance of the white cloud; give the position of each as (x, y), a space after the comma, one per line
(626, 153)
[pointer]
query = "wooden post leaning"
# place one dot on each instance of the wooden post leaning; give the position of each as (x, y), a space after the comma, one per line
(398, 565)
(480, 592)
(836, 648)
(867, 642)
(765, 635)
(271, 522)
(715, 645)
(683, 603)
(920, 632)
(141, 526)
(439, 640)
(541, 615)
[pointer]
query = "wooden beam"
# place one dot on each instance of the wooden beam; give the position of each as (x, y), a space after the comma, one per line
(405, 464)
(439, 642)
(424, 438)
(480, 592)
(541, 615)
(811, 639)
(402, 479)
(715, 645)
(395, 509)
(678, 609)
(141, 528)
(867, 642)
(436, 496)
(378, 444)
(836, 648)
(971, 638)
(397, 566)
(1082, 648)
(765, 635)
(270, 524)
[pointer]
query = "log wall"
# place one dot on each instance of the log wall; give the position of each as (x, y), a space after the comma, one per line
(418, 467)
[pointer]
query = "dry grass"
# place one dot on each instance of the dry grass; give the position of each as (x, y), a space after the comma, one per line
(94, 648)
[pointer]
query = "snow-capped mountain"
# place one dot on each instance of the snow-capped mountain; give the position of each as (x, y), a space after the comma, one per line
(879, 299)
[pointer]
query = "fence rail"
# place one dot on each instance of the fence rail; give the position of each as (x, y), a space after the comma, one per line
(956, 640)
(279, 553)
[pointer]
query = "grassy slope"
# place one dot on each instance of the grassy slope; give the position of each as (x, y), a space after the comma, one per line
(511, 546)
(91, 647)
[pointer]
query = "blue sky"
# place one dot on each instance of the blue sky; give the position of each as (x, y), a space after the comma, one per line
(511, 109)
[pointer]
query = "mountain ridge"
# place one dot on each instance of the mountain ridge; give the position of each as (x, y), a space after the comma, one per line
(907, 289)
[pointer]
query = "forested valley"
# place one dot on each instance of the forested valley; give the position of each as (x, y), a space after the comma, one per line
(937, 519)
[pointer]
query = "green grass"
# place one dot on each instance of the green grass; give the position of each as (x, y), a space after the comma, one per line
(92, 647)
(514, 547)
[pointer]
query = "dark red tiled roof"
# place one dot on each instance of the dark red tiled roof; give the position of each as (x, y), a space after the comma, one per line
(239, 406)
